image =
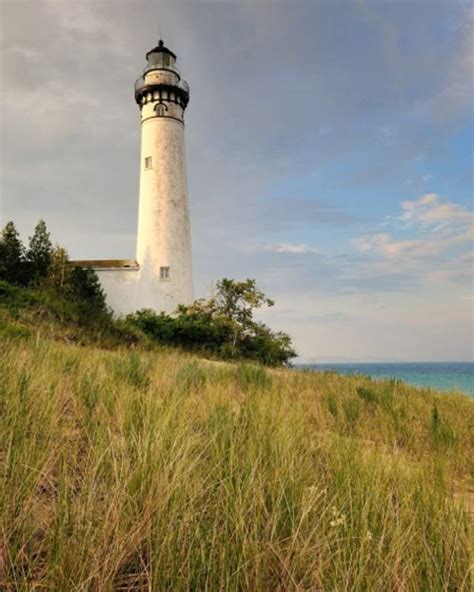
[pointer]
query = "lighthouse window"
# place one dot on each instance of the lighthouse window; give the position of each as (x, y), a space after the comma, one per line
(160, 109)
(148, 162)
(164, 273)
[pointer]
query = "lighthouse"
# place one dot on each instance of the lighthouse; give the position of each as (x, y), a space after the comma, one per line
(160, 277)
(164, 238)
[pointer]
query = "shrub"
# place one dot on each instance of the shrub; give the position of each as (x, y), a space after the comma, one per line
(222, 326)
(13, 297)
(9, 331)
(367, 394)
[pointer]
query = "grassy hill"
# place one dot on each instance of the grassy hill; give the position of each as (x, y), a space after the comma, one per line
(126, 469)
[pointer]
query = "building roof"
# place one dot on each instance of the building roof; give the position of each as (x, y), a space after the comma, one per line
(106, 263)
(161, 47)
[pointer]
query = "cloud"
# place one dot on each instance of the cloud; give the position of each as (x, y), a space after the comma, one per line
(387, 246)
(429, 209)
(300, 249)
(443, 225)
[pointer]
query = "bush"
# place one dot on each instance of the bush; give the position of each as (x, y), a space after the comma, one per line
(367, 394)
(9, 331)
(222, 326)
(13, 297)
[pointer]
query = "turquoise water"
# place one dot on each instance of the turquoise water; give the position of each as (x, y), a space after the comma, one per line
(444, 376)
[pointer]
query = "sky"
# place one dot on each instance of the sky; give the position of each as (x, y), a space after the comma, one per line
(329, 149)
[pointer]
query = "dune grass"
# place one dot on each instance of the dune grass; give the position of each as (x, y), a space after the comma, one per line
(152, 471)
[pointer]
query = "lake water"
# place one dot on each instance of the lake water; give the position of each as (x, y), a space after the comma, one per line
(444, 376)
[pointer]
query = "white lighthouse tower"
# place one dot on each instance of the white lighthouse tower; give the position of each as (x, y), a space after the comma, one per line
(161, 277)
(164, 238)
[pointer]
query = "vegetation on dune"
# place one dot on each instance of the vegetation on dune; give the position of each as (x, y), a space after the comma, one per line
(136, 470)
(41, 282)
(222, 326)
(25, 266)
(41, 279)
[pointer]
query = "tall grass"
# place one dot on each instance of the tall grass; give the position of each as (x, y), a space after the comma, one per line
(145, 471)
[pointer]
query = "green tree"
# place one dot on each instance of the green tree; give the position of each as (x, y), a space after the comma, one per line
(12, 256)
(236, 302)
(59, 269)
(39, 253)
(266, 346)
(87, 295)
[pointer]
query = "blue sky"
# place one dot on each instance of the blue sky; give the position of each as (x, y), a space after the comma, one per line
(329, 151)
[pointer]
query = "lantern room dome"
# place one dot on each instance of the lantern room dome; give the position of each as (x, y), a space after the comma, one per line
(160, 56)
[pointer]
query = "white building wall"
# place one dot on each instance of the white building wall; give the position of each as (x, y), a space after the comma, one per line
(129, 290)
(120, 287)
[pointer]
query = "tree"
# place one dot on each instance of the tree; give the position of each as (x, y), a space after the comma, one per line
(12, 256)
(40, 253)
(266, 346)
(86, 293)
(236, 301)
(59, 269)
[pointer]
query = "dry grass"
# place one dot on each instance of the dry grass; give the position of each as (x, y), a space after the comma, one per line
(156, 471)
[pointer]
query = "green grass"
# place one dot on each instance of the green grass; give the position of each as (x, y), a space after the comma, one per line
(136, 470)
